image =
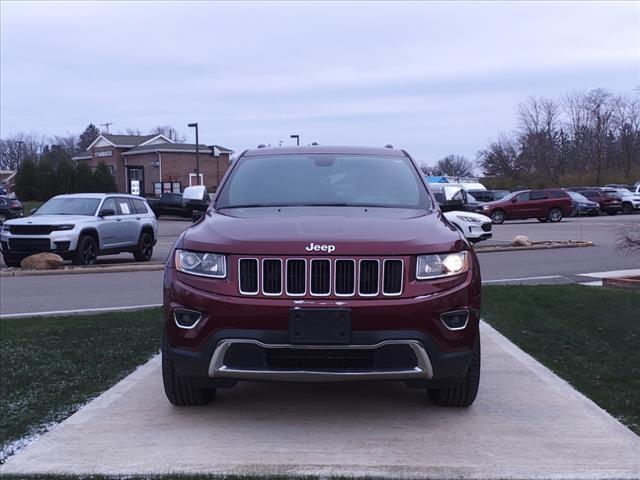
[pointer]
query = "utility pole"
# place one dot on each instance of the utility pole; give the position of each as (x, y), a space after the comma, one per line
(297, 137)
(195, 125)
(106, 125)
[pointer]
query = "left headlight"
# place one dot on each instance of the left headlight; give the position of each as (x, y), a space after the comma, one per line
(443, 265)
(464, 218)
(203, 264)
(65, 227)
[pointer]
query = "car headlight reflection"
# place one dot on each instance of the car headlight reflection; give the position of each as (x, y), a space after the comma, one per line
(443, 265)
(203, 264)
(464, 218)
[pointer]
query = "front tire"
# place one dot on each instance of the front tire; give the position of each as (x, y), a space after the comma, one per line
(498, 216)
(12, 262)
(627, 208)
(464, 394)
(554, 215)
(145, 248)
(176, 391)
(86, 252)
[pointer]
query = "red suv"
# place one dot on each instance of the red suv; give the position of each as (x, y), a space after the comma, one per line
(316, 264)
(545, 205)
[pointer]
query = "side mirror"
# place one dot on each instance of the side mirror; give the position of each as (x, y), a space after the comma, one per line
(451, 205)
(107, 212)
(33, 210)
(514, 200)
(196, 198)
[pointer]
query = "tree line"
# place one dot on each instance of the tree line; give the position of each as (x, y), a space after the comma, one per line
(585, 138)
(22, 146)
(44, 165)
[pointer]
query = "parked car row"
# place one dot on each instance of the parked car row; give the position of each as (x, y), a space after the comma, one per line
(552, 204)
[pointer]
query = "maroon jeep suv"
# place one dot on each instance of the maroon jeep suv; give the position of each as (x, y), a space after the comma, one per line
(548, 205)
(322, 264)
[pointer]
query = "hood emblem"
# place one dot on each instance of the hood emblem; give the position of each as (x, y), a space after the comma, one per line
(314, 247)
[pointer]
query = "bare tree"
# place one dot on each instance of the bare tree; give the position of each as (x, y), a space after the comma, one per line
(169, 132)
(19, 147)
(454, 165)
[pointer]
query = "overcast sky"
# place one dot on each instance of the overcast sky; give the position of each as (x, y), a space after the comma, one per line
(434, 78)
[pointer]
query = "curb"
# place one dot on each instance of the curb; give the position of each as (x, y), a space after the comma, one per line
(544, 246)
(83, 270)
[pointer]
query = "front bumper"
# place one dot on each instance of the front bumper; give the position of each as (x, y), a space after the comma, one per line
(62, 243)
(216, 365)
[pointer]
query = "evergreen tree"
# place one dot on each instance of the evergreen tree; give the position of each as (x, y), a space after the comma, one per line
(45, 179)
(65, 177)
(84, 178)
(88, 136)
(104, 180)
(26, 180)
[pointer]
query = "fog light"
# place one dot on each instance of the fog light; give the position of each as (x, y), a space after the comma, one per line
(455, 320)
(187, 319)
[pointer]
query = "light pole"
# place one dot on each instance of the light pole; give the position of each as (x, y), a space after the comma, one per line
(195, 125)
(297, 137)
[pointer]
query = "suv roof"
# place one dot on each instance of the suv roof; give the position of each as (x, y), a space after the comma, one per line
(327, 149)
(97, 195)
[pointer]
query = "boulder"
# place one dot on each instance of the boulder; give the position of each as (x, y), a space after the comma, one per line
(42, 261)
(521, 241)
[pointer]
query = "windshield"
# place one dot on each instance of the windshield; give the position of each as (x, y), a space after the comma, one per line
(511, 195)
(624, 191)
(578, 198)
(69, 206)
(324, 180)
(500, 194)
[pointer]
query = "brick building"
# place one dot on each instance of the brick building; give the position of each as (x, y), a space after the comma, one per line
(148, 165)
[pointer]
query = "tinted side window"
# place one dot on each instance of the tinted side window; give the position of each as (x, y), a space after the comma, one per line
(125, 206)
(556, 194)
(538, 195)
(140, 206)
(523, 197)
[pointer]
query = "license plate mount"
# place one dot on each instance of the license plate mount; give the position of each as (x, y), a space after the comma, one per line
(320, 326)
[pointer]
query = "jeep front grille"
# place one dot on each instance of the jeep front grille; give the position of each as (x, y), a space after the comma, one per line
(321, 277)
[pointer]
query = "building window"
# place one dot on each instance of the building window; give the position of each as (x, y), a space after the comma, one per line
(166, 187)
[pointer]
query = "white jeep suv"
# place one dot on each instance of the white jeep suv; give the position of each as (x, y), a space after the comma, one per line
(80, 227)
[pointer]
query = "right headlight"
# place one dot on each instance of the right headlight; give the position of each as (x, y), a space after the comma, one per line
(202, 264)
(442, 265)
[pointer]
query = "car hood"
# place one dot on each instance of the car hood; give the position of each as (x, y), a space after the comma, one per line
(350, 230)
(51, 220)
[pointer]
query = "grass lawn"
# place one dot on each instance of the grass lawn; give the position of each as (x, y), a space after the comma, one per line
(52, 366)
(29, 205)
(589, 336)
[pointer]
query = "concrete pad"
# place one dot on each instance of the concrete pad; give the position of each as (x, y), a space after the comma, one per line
(526, 423)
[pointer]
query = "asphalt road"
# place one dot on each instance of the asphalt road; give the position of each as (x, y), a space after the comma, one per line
(68, 292)
(525, 423)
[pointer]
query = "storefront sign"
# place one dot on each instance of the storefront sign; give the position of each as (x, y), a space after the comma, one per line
(107, 153)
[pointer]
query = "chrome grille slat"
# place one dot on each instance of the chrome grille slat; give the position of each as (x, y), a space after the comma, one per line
(321, 277)
(369, 278)
(345, 278)
(272, 276)
(392, 280)
(248, 276)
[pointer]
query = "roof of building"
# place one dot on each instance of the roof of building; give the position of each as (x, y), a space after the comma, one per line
(124, 140)
(326, 149)
(175, 147)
